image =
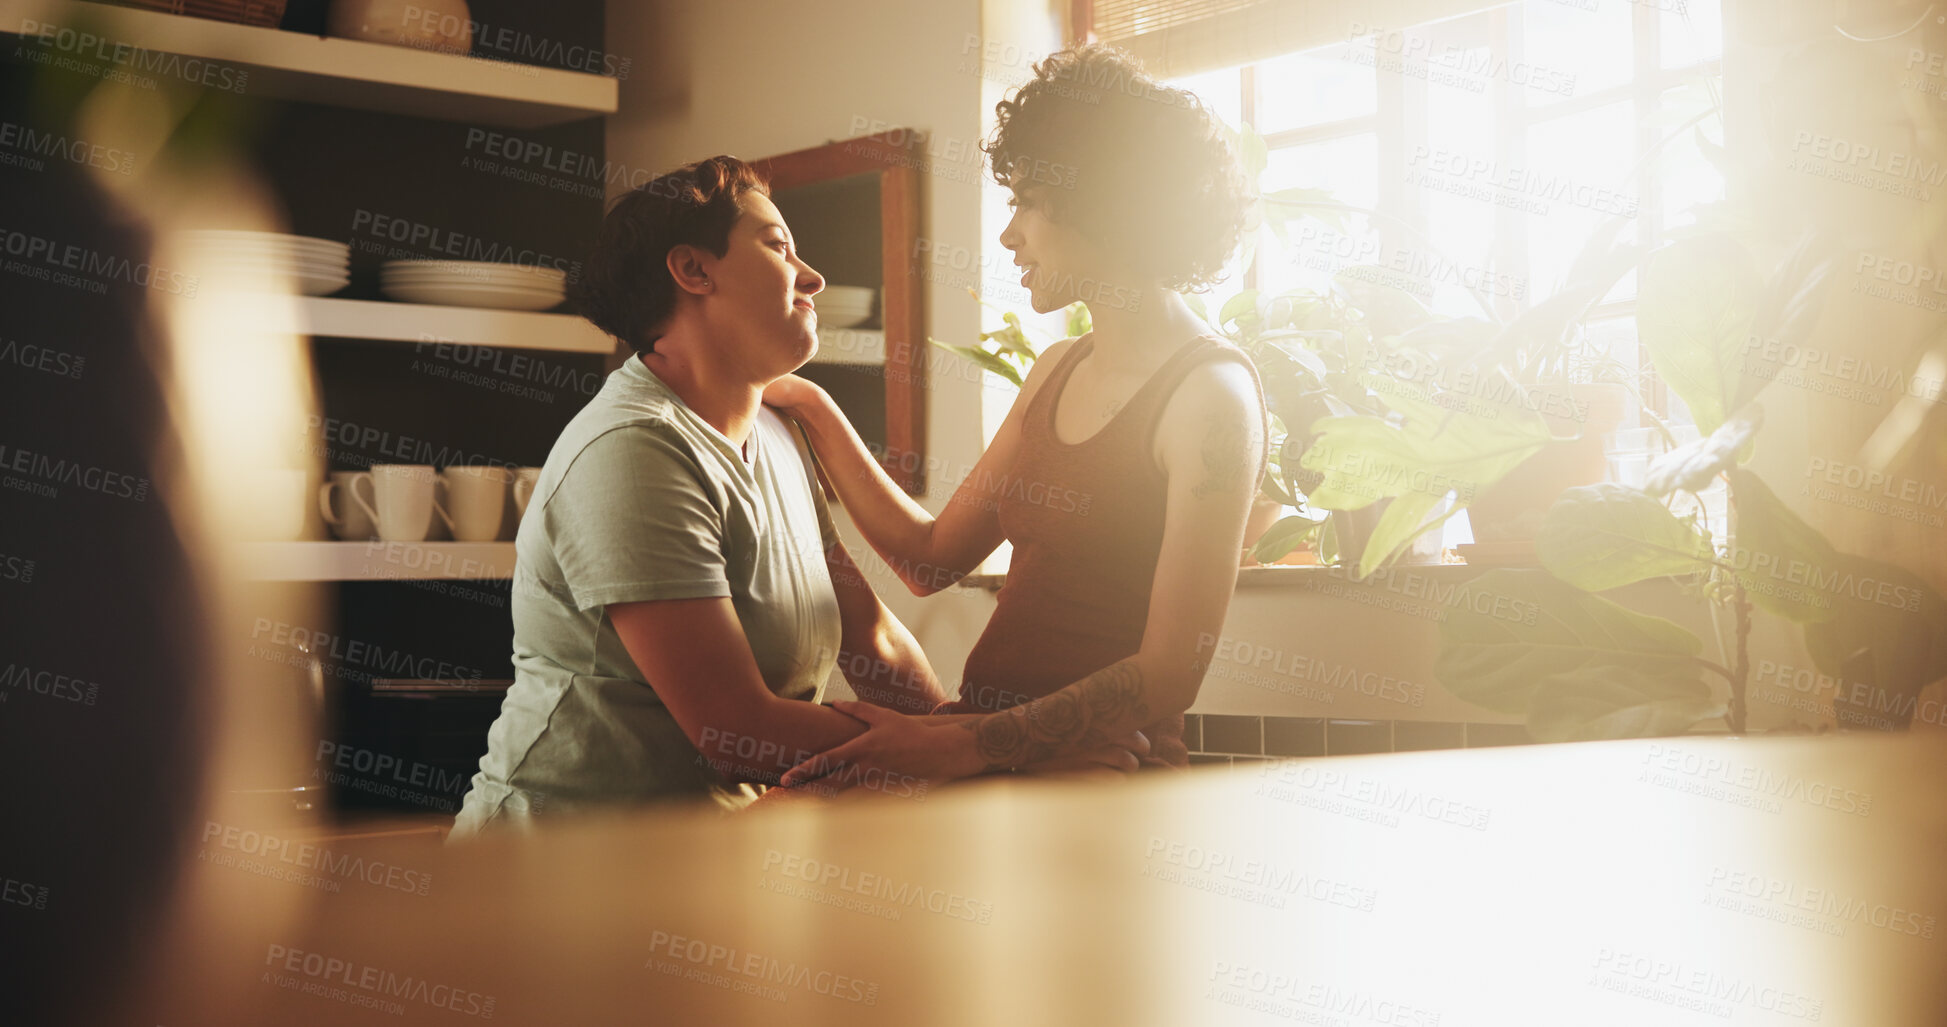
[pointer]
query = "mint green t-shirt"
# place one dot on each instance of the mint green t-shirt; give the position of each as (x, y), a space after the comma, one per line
(641, 499)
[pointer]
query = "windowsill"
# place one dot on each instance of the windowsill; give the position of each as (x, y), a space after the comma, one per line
(1281, 577)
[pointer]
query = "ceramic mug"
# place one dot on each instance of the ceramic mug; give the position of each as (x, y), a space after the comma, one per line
(525, 480)
(353, 525)
(404, 500)
(476, 497)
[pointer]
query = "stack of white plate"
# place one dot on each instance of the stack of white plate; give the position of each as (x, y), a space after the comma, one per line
(469, 283)
(319, 267)
(844, 306)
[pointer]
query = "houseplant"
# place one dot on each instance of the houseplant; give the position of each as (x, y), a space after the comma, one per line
(1590, 667)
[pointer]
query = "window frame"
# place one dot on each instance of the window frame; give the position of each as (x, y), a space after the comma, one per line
(1398, 122)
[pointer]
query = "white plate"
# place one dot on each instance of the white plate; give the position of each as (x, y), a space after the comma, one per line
(278, 267)
(473, 268)
(448, 296)
(335, 250)
(319, 285)
(511, 282)
(849, 295)
(266, 237)
(476, 287)
(339, 260)
(293, 245)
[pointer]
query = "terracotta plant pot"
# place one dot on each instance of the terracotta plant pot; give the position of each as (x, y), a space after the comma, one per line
(1511, 509)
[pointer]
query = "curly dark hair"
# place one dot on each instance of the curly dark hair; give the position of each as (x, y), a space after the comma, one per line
(1133, 164)
(625, 288)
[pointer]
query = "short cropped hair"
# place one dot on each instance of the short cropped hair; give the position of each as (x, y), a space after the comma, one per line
(1133, 164)
(625, 287)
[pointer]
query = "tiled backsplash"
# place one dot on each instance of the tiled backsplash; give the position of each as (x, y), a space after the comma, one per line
(1217, 738)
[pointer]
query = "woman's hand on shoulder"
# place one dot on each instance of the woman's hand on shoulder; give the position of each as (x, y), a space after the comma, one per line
(791, 393)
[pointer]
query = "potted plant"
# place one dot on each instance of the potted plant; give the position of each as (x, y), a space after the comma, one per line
(1589, 667)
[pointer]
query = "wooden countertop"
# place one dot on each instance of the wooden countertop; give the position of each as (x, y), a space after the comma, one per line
(1746, 881)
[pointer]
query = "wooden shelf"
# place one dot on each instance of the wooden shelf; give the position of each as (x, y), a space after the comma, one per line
(474, 326)
(351, 73)
(379, 561)
(854, 346)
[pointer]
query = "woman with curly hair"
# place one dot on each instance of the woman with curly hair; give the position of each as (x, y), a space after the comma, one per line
(1124, 473)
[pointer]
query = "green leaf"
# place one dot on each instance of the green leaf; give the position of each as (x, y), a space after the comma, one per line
(1273, 487)
(1784, 564)
(1866, 621)
(1389, 309)
(1079, 321)
(1405, 519)
(1195, 302)
(1607, 536)
(1281, 538)
(1793, 300)
(1012, 339)
(1366, 458)
(985, 359)
(1600, 705)
(1435, 447)
(1244, 304)
(1894, 643)
(1692, 465)
(1523, 642)
(1718, 157)
(1288, 344)
(1694, 313)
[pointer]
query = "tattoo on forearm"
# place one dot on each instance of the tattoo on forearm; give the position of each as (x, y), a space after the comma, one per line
(1090, 712)
(1226, 456)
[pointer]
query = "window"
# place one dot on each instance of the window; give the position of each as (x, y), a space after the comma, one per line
(1488, 148)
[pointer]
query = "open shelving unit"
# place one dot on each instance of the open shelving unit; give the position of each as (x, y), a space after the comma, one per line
(378, 561)
(419, 323)
(353, 73)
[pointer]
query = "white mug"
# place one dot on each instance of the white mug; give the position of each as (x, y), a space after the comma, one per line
(403, 501)
(525, 480)
(353, 525)
(478, 498)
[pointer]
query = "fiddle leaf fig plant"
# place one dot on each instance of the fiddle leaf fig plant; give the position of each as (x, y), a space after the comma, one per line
(1587, 667)
(1579, 666)
(1607, 536)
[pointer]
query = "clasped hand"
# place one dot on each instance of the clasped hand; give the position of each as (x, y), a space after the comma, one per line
(903, 749)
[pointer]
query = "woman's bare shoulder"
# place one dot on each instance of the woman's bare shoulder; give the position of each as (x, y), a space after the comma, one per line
(1044, 365)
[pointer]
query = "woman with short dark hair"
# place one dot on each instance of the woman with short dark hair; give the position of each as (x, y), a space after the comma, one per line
(679, 596)
(1124, 472)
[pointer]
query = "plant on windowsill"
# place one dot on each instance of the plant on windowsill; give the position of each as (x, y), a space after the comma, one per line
(1304, 345)
(1588, 667)
(1413, 416)
(1009, 352)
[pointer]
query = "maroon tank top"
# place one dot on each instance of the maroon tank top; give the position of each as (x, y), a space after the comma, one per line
(1086, 521)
